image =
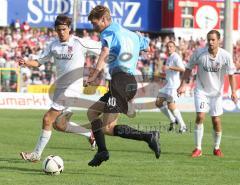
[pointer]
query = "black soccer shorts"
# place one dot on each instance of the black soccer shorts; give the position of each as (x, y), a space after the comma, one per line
(122, 88)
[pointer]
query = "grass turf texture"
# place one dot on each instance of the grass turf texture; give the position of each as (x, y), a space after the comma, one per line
(131, 162)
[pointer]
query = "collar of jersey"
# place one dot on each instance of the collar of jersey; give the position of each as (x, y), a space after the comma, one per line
(67, 42)
(215, 58)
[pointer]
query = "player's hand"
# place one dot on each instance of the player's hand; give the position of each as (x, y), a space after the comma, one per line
(165, 68)
(95, 77)
(234, 97)
(21, 61)
(90, 78)
(85, 84)
(181, 90)
(89, 81)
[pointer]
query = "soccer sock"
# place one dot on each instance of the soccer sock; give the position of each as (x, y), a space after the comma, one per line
(98, 134)
(217, 139)
(198, 135)
(77, 129)
(179, 118)
(42, 141)
(168, 113)
(125, 131)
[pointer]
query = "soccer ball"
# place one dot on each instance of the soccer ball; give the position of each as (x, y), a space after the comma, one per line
(53, 165)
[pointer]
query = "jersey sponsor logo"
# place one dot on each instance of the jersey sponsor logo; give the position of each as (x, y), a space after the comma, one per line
(211, 69)
(123, 57)
(63, 56)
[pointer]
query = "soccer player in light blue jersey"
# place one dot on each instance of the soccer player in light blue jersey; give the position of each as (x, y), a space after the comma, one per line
(120, 49)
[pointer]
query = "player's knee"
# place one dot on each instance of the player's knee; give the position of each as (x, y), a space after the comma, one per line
(92, 115)
(172, 107)
(89, 114)
(108, 129)
(55, 126)
(216, 121)
(200, 118)
(58, 127)
(159, 103)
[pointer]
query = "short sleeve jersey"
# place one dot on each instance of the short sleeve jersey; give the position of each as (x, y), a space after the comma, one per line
(69, 56)
(173, 77)
(211, 71)
(124, 46)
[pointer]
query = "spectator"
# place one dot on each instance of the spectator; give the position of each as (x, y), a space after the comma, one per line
(25, 81)
(25, 27)
(14, 42)
(17, 24)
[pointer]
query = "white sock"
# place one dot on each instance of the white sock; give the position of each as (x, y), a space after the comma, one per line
(217, 139)
(42, 141)
(198, 135)
(168, 113)
(179, 118)
(77, 129)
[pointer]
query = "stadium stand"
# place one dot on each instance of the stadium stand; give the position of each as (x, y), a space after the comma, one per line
(22, 40)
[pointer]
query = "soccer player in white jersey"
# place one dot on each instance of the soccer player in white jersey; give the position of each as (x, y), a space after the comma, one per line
(168, 94)
(213, 63)
(68, 54)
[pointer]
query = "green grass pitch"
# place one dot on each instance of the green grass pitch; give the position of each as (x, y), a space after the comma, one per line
(131, 162)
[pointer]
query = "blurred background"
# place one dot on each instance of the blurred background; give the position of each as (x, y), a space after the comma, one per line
(26, 27)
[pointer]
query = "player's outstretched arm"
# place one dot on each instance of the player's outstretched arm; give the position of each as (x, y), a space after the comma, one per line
(232, 83)
(27, 63)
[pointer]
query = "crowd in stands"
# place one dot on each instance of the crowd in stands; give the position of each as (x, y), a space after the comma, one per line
(22, 40)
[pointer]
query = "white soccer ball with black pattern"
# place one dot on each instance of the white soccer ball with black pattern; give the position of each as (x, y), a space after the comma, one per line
(53, 165)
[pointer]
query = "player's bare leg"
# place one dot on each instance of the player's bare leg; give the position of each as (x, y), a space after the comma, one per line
(95, 111)
(48, 120)
(64, 124)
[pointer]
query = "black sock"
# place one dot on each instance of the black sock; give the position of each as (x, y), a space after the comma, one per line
(125, 131)
(98, 134)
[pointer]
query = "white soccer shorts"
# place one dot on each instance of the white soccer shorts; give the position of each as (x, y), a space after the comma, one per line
(170, 94)
(57, 106)
(211, 104)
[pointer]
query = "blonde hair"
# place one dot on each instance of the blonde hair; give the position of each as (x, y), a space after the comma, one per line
(98, 12)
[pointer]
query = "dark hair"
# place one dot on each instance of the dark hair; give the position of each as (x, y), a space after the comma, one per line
(98, 12)
(214, 32)
(63, 20)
